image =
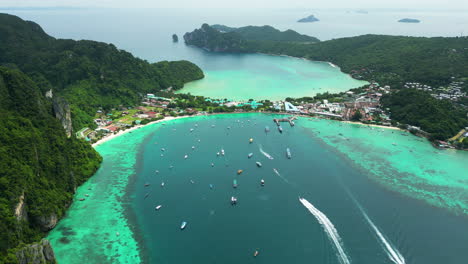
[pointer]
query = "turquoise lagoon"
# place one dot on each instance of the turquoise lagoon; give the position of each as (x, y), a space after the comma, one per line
(372, 195)
(260, 76)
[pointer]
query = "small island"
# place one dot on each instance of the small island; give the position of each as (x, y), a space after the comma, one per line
(308, 19)
(175, 38)
(409, 20)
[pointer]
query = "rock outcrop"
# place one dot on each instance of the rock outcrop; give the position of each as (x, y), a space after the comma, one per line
(308, 19)
(47, 222)
(175, 38)
(36, 253)
(20, 210)
(62, 113)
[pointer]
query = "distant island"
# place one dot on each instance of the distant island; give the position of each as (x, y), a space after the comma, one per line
(409, 20)
(308, 19)
(175, 38)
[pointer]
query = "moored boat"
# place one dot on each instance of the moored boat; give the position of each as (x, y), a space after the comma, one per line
(234, 183)
(259, 164)
(162, 184)
(183, 225)
(211, 186)
(256, 253)
(186, 156)
(250, 155)
(233, 200)
(280, 129)
(262, 182)
(158, 207)
(222, 152)
(239, 172)
(288, 153)
(267, 129)
(251, 140)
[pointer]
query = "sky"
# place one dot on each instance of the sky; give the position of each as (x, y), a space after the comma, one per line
(423, 4)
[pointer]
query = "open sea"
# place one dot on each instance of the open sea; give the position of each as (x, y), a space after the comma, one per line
(349, 194)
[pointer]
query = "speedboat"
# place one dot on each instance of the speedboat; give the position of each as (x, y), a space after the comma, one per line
(217, 153)
(162, 184)
(211, 186)
(288, 153)
(251, 140)
(193, 147)
(233, 200)
(212, 164)
(163, 149)
(156, 171)
(280, 129)
(186, 156)
(262, 182)
(250, 155)
(222, 152)
(256, 253)
(258, 164)
(158, 207)
(183, 225)
(234, 183)
(267, 129)
(191, 130)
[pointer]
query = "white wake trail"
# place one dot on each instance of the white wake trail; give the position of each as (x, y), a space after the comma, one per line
(393, 253)
(329, 229)
(265, 154)
(279, 175)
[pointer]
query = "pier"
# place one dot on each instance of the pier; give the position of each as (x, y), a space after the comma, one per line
(290, 120)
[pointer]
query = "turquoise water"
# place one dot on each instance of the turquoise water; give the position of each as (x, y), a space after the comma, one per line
(258, 76)
(362, 216)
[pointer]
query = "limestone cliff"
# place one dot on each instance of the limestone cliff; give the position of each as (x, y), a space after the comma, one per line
(62, 113)
(36, 253)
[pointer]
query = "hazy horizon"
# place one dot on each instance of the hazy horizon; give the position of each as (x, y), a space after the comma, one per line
(291, 4)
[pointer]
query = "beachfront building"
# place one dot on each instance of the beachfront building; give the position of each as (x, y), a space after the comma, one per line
(290, 108)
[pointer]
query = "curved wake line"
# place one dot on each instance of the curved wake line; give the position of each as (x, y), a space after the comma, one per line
(265, 154)
(279, 175)
(329, 229)
(393, 253)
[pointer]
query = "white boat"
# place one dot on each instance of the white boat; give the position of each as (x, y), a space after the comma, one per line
(162, 184)
(212, 164)
(258, 164)
(288, 153)
(250, 155)
(192, 182)
(262, 182)
(163, 149)
(222, 152)
(251, 140)
(158, 207)
(156, 171)
(183, 225)
(280, 129)
(186, 156)
(267, 129)
(191, 130)
(193, 147)
(233, 200)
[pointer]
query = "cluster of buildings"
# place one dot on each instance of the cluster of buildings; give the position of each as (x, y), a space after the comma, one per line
(346, 106)
(452, 92)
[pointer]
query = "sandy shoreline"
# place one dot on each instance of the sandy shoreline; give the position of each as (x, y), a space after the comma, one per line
(121, 132)
(371, 125)
(169, 118)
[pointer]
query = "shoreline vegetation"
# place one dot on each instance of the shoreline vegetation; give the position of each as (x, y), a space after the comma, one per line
(440, 87)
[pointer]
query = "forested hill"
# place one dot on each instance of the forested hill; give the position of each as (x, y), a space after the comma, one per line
(88, 74)
(386, 59)
(266, 33)
(39, 170)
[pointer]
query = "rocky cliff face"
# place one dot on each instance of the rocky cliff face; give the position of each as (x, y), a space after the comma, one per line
(211, 39)
(47, 222)
(37, 253)
(62, 113)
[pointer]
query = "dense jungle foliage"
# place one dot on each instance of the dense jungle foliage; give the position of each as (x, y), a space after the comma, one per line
(88, 74)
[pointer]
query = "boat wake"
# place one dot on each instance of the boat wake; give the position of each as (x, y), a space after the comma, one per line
(329, 229)
(279, 175)
(393, 254)
(265, 154)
